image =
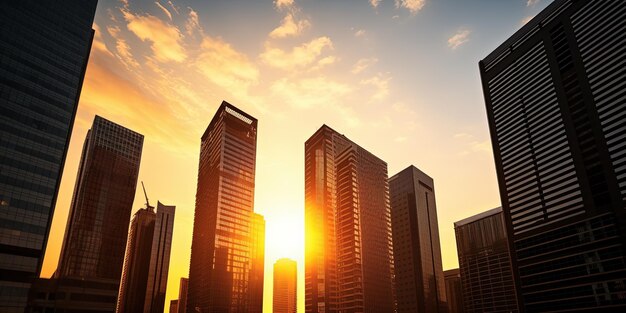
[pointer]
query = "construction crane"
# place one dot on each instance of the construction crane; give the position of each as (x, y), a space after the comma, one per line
(148, 206)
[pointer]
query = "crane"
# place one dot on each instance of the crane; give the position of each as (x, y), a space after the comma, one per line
(148, 206)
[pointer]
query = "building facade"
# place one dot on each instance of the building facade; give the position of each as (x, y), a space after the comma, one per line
(420, 286)
(484, 263)
(257, 266)
(174, 306)
(39, 91)
(182, 295)
(146, 265)
(221, 245)
(454, 290)
(348, 249)
(554, 94)
(285, 286)
(92, 256)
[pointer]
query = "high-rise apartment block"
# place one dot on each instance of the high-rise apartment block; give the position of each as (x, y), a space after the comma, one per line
(285, 286)
(420, 286)
(144, 278)
(484, 264)
(349, 257)
(219, 273)
(44, 48)
(554, 94)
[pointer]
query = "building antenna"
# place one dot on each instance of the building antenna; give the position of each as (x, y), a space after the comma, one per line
(148, 206)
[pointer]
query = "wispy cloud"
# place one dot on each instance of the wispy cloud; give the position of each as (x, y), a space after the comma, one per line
(380, 82)
(166, 40)
(122, 48)
(459, 38)
(299, 56)
(310, 92)
(193, 24)
(226, 67)
(289, 27)
(362, 64)
(413, 6)
(375, 3)
(174, 8)
(526, 19)
(532, 3)
(472, 144)
(359, 33)
(164, 10)
(281, 4)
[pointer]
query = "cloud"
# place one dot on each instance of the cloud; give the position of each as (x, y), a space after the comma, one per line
(300, 56)
(220, 63)
(532, 3)
(98, 42)
(359, 33)
(375, 3)
(310, 92)
(412, 5)
(193, 23)
(362, 64)
(122, 48)
(289, 27)
(164, 10)
(381, 84)
(526, 20)
(166, 39)
(461, 37)
(174, 8)
(280, 4)
(472, 144)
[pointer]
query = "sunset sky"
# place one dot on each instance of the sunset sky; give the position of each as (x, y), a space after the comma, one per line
(398, 77)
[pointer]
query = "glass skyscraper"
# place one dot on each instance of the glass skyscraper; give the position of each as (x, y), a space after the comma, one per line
(219, 271)
(92, 256)
(147, 260)
(285, 286)
(484, 264)
(44, 48)
(420, 286)
(555, 96)
(257, 263)
(349, 257)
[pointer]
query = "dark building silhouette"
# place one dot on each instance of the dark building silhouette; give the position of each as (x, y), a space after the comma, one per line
(174, 306)
(419, 279)
(554, 94)
(220, 265)
(144, 278)
(485, 265)
(88, 276)
(182, 295)
(44, 48)
(257, 263)
(285, 286)
(454, 290)
(349, 257)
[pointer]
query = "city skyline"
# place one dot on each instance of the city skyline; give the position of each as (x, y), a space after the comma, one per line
(282, 205)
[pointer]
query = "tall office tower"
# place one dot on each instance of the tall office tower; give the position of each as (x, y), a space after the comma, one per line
(349, 257)
(554, 94)
(182, 295)
(39, 91)
(418, 271)
(90, 265)
(285, 286)
(485, 265)
(144, 278)
(257, 263)
(454, 291)
(221, 245)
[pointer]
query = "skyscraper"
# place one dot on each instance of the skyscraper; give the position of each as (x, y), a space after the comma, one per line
(485, 265)
(554, 94)
(92, 256)
(174, 306)
(285, 286)
(420, 286)
(454, 291)
(220, 249)
(182, 295)
(39, 91)
(349, 257)
(144, 278)
(257, 263)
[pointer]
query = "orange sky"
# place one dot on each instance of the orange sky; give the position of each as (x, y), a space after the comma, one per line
(163, 68)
